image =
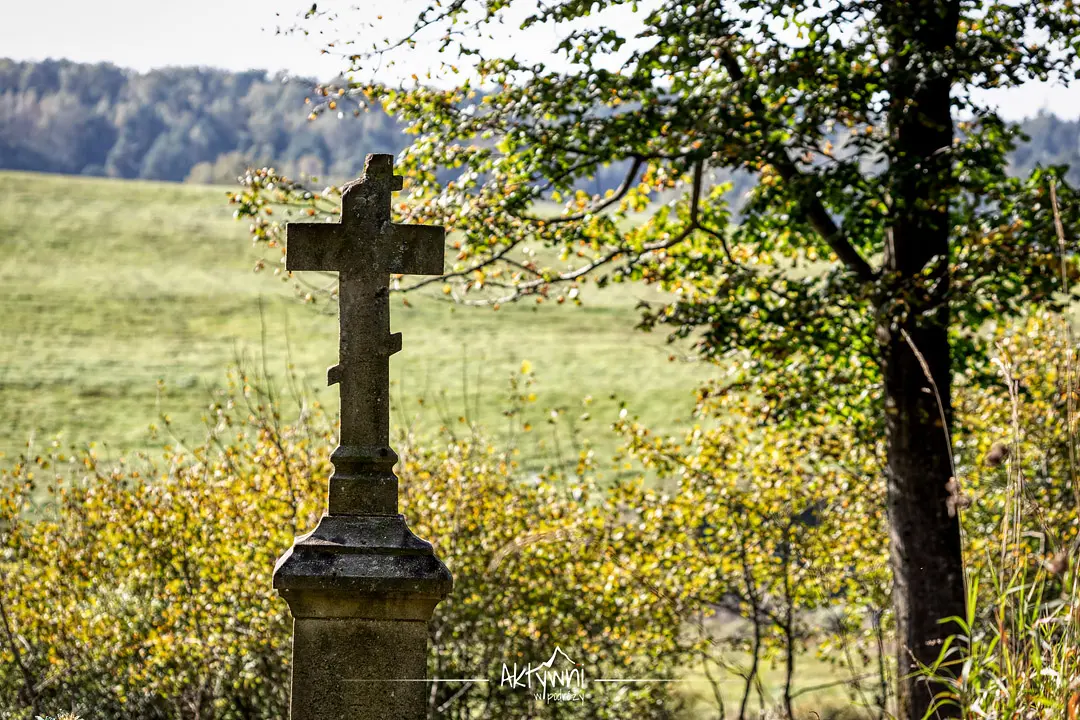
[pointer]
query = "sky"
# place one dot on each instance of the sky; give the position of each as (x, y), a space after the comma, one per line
(241, 35)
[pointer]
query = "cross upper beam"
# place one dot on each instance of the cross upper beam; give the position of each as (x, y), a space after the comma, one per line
(365, 239)
(408, 249)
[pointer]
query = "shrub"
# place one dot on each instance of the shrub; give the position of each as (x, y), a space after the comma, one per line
(782, 529)
(142, 587)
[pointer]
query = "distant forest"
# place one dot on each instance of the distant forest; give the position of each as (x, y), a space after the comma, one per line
(180, 124)
(205, 125)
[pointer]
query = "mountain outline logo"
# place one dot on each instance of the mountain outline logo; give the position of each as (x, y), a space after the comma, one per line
(553, 685)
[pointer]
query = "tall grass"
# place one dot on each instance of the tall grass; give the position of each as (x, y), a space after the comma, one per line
(1016, 654)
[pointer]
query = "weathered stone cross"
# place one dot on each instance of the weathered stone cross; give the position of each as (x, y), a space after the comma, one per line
(365, 248)
(361, 586)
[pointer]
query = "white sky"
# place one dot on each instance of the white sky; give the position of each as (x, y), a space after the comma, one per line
(240, 35)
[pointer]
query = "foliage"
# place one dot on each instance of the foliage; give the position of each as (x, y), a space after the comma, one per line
(697, 95)
(195, 124)
(537, 566)
(120, 569)
(1016, 451)
(142, 589)
(208, 126)
(784, 525)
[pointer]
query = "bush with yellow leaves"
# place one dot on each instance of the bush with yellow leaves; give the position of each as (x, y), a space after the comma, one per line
(142, 587)
(782, 527)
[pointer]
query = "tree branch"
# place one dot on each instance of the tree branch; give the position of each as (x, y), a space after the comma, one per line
(691, 226)
(815, 211)
(831, 684)
(421, 24)
(612, 255)
(462, 273)
(823, 223)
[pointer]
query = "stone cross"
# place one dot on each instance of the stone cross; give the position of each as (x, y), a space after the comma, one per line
(361, 586)
(365, 248)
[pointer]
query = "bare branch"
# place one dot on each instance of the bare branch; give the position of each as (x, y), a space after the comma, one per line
(500, 255)
(834, 683)
(618, 195)
(31, 685)
(466, 688)
(422, 23)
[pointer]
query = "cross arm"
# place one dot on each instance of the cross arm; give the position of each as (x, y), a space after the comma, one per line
(313, 246)
(419, 250)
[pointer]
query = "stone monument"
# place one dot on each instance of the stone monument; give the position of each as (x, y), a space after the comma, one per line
(361, 586)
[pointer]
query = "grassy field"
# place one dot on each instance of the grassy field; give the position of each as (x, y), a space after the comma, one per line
(112, 286)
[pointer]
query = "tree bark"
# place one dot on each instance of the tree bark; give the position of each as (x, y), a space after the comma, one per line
(924, 540)
(925, 544)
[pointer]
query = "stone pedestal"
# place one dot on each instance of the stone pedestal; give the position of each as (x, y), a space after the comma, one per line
(361, 589)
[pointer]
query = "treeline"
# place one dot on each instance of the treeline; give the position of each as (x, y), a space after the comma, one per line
(206, 125)
(195, 124)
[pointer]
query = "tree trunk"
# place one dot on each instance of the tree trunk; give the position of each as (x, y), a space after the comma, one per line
(925, 544)
(924, 540)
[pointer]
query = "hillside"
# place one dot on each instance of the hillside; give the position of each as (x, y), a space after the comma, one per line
(206, 125)
(80, 119)
(201, 125)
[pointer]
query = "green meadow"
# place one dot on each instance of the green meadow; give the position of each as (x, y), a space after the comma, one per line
(124, 300)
